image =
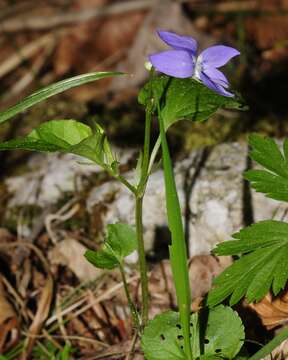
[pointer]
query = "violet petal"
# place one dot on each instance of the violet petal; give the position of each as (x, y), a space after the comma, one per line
(217, 56)
(214, 86)
(216, 76)
(177, 63)
(178, 42)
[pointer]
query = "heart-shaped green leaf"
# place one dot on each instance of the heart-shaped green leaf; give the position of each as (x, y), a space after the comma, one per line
(53, 89)
(120, 242)
(185, 99)
(215, 335)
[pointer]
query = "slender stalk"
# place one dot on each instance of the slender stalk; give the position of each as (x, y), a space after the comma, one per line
(177, 249)
(126, 183)
(146, 151)
(132, 307)
(139, 210)
(142, 259)
(154, 153)
(267, 349)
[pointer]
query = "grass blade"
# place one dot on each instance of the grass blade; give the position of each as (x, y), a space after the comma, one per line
(52, 90)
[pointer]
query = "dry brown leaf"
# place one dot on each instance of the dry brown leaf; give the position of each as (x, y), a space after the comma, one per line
(267, 31)
(9, 327)
(273, 311)
(70, 252)
(40, 317)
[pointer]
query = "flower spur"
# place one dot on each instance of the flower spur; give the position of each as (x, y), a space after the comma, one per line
(182, 61)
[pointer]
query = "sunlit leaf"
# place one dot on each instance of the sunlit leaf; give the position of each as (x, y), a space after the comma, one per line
(67, 136)
(186, 99)
(219, 335)
(273, 181)
(264, 263)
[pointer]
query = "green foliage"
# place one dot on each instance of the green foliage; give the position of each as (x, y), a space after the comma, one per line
(43, 351)
(265, 263)
(68, 136)
(216, 335)
(121, 241)
(52, 90)
(273, 181)
(177, 249)
(185, 99)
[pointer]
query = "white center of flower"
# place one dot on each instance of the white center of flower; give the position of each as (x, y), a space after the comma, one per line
(198, 68)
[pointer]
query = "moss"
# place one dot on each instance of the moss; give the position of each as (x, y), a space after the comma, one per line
(26, 214)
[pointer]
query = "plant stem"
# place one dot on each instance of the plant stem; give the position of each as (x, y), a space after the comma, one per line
(132, 307)
(154, 153)
(142, 259)
(267, 349)
(126, 183)
(146, 151)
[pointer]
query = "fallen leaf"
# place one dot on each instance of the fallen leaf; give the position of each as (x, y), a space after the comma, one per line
(273, 311)
(9, 326)
(70, 252)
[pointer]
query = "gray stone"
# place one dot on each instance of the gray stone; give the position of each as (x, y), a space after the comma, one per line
(210, 187)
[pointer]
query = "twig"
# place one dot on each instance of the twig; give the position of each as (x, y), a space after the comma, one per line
(13, 291)
(100, 298)
(61, 216)
(68, 18)
(31, 75)
(71, 337)
(132, 348)
(28, 50)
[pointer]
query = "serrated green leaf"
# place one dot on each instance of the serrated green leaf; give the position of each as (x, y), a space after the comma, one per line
(221, 330)
(273, 181)
(120, 242)
(264, 263)
(185, 99)
(52, 90)
(67, 136)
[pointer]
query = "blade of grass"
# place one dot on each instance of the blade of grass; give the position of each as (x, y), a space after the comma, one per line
(52, 90)
(267, 349)
(177, 249)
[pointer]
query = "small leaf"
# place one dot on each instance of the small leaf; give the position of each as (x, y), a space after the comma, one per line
(53, 89)
(121, 241)
(264, 263)
(67, 136)
(185, 99)
(274, 182)
(221, 329)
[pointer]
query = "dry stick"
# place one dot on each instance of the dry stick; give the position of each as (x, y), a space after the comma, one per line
(30, 76)
(60, 320)
(100, 298)
(72, 337)
(68, 18)
(60, 216)
(29, 50)
(45, 298)
(132, 348)
(27, 313)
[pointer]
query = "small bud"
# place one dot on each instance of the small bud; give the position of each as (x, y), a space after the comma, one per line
(148, 65)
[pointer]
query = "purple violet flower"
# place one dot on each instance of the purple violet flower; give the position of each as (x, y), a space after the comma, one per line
(183, 62)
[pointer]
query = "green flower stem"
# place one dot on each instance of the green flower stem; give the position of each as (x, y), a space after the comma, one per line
(133, 310)
(142, 259)
(177, 249)
(146, 153)
(267, 349)
(139, 212)
(126, 183)
(154, 153)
